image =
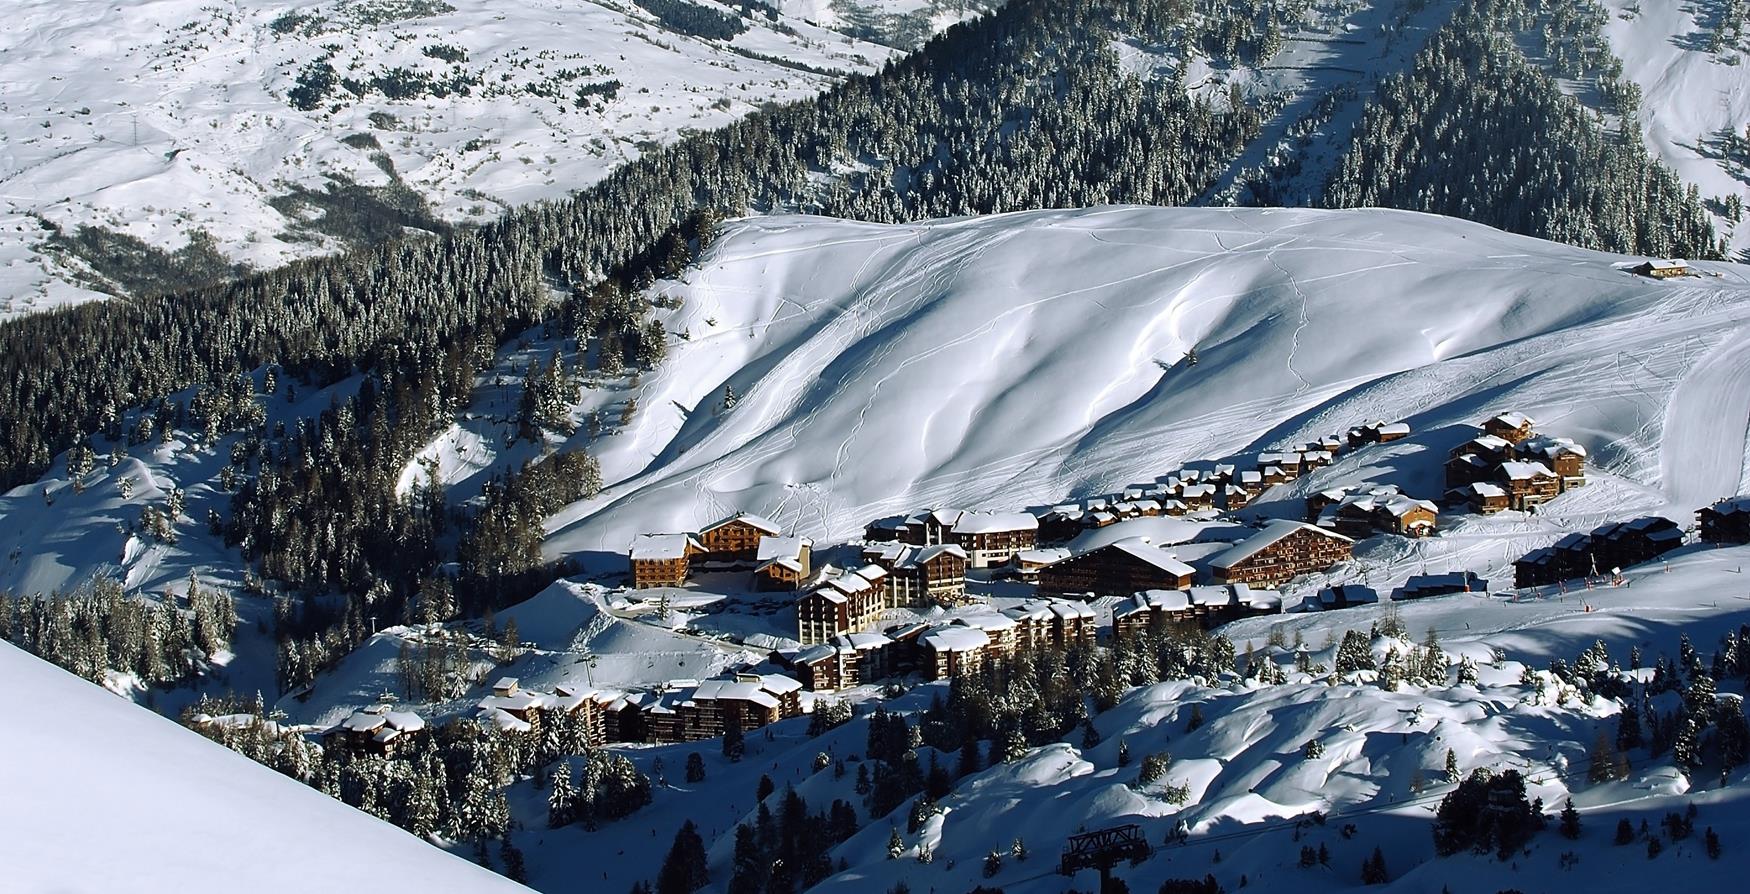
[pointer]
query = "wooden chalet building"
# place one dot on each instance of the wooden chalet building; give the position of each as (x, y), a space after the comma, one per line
(1117, 569)
(1511, 427)
(1562, 456)
(842, 604)
(1028, 563)
(752, 700)
(1662, 268)
(1377, 433)
(1358, 513)
(378, 729)
(953, 649)
(1052, 623)
(737, 537)
(1633, 542)
(1342, 596)
(1483, 497)
(783, 563)
(1528, 485)
(929, 575)
(849, 660)
(992, 538)
(663, 560)
(1726, 521)
(1280, 551)
(1421, 586)
(1154, 611)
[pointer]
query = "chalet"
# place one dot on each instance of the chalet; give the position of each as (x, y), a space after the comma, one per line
(1004, 632)
(1331, 444)
(930, 527)
(1564, 457)
(1421, 586)
(1234, 497)
(905, 650)
(662, 560)
(846, 602)
(1060, 523)
(992, 538)
(1621, 544)
(1317, 503)
(953, 649)
(1510, 427)
(1358, 513)
(1726, 521)
(930, 575)
(1391, 431)
(1153, 611)
(1662, 268)
(749, 700)
(1198, 497)
(582, 704)
(1528, 484)
(1483, 497)
(1279, 552)
(737, 537)
(1468, 468)
(849, 660)
(1052, 623)
(664, 714)
(1342, 596)
(378, 729)
(1116, 569)
(782, 563)
(1150, 611)
(1315, 457)
(1029, 562)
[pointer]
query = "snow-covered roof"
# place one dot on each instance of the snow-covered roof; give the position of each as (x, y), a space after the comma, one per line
(765, 525)
(994, 522)
(1731, 505)
(862, 640)
(1251, 476)
(1193, 491)
(1155, 600)
(506, 684)
(504, 720)
(1553, 447)
(780, 548)
(1520, 471)
(956, 638)
(1271, 534)
(1491, 443)
(987, 621)
(1154, 555)
(662, 547)
(1485, 489)
(1066, 609)
(1511, 419)
(734, 690)
(1666, 263)
(1394, 428)
(931, 552)
(1041, 556)
(814, 654)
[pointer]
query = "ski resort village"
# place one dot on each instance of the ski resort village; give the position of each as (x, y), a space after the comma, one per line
(875, 446)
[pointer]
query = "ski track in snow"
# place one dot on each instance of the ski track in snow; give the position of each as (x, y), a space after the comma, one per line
(1706, 425)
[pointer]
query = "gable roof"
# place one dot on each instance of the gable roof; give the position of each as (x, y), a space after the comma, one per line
(991, 522)
(747, 518)
(662, 547)
(1273, 533)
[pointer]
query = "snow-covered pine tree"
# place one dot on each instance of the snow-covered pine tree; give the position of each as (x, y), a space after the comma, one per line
(560, 810)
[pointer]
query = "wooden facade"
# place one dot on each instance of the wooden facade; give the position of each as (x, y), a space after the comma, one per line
(737, 537)
(848, 602)
(662, 560)
(1279, 552)
(1117, 569)
(1727, 521)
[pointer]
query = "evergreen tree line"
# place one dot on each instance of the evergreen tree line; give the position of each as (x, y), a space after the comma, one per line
(449, 780)
(97, 629)
(783, 852)
(1476, 130)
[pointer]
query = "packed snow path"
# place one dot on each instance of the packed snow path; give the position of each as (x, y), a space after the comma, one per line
(1706, 424)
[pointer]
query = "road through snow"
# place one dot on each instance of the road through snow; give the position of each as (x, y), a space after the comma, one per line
(1702, 453)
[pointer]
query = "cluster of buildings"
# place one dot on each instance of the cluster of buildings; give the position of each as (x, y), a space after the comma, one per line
(1358, 512)
(1152, 611)
(938, 651)
(988, 539)
(1218, 486)
(1509, 466)
(1607, 547)
(682, 711)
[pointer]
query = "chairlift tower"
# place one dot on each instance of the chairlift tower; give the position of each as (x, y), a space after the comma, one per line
(1103, 850)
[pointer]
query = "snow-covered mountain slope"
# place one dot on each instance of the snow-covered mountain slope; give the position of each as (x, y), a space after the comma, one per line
(103, 795)
(1693, 99)
(176, 118)
(1022, 359)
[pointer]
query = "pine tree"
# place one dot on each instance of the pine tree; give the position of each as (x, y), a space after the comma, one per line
(1452, 772)
(750, 864)
(1625, 832)
(969, 758)
(1628, 729)
(695, 767)
(559, 799)
(1123, 752)
(895, 844)
(683, 871)
(734, 745)
(1373, 869)
(1712, 841)
(764, 789)
(1313, 750)
(1570, 827)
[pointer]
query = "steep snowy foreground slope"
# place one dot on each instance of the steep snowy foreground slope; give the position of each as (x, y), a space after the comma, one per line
(1023, 359)
(167, 119)
(102, 795)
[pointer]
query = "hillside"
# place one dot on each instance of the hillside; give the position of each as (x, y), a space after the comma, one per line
(103, 795)
(193, 137)
(1023, 359)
